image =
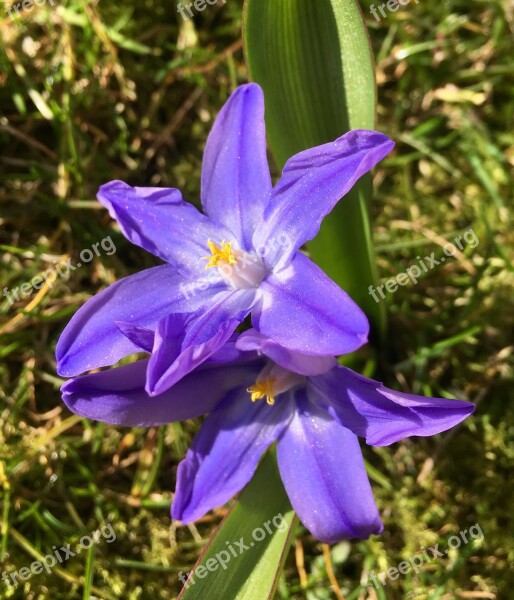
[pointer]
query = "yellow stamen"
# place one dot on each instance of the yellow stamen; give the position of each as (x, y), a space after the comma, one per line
(225, 254)
(265, 387)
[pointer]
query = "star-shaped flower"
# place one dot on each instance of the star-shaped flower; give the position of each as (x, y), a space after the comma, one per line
(256, 393)
(250, 233)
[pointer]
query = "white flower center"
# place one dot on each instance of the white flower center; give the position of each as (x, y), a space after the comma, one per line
(240, 269)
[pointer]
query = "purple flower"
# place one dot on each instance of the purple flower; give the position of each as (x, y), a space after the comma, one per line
(256, 393)
(240, 257)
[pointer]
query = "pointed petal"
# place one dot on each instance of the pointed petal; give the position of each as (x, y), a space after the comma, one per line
(304, 364)
(92, 339)
(158, 220)
(312, 183)
(183, 344)
(225, 453)
(384, 416)
(236, 182)
(305, 311)
(118, 396)
(323, 472)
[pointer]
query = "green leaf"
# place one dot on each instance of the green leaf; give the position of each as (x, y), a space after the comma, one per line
(253, 573)
(314, 62)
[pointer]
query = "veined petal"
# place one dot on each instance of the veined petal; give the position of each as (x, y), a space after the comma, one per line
(225, 453)
(303, 364)
(312, 183)
(236, 182)
(158, 220)
(305, 311)
(381, 415)
(118, 396)
(323, 471)
(181, 344)
(92, 339)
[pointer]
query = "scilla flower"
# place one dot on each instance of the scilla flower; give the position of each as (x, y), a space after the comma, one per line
(239, 257)
(256, 393)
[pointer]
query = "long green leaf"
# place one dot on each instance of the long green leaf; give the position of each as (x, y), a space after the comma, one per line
(314, 62)
(245, 556)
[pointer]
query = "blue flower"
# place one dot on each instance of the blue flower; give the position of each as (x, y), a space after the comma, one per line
(240, 257)
(257, 392)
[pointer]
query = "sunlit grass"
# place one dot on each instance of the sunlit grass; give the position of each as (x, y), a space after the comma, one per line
(96, 91)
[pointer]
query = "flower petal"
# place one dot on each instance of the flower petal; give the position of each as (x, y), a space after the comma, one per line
(181, 344)
(312, 183)
(92, 339)
(304, 364)
(118, 396)
(323, 471)
(305, 311)
(236, 182)
(158, 220)
(225, 453)
(229, 352)
(143, 338)
(384, 416)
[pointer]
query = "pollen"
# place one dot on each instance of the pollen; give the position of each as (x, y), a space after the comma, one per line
(263, 388)
(224, 255)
